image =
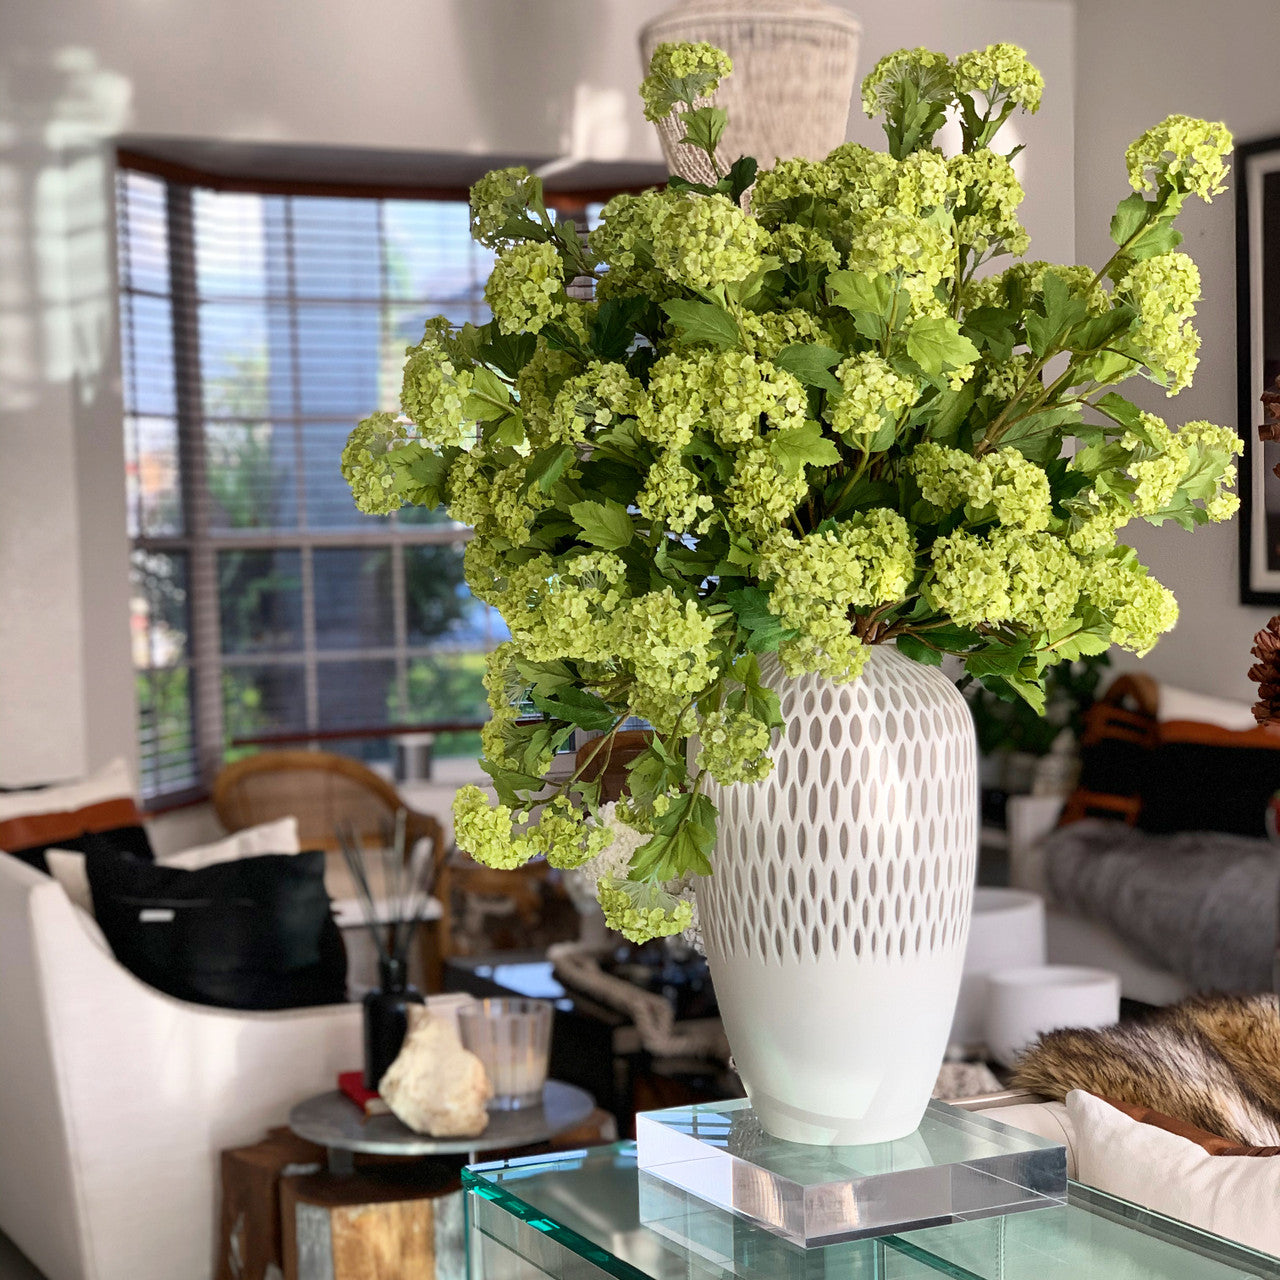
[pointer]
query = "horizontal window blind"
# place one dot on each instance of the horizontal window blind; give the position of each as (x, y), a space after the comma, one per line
(256, 329)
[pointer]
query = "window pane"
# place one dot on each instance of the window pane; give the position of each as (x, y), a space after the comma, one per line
(245, 360)
(430, 253)
(338, 347)
(446, 686)
(146, 344)
(356, 694)
(144, 238)
(354, 604)
(251, 470)
(159, 615)
(151, 476)
(438, 606)
(260, 601)
(166, 732)
(335, 248)
(230, 244)
(263, 699)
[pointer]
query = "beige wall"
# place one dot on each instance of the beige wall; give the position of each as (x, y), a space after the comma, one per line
(536, 76)
(1136, 62)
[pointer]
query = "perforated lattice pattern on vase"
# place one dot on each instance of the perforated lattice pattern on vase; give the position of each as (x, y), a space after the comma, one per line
(862, 840)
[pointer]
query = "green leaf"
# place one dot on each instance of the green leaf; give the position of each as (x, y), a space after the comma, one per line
(918, 651)
(654, 771)
(1130, 214)
(577, 706)
(764, 631)
(546, 467)
(1060, 308)
(603, 524)
(1031, 692)
(935, 343)
(993, 328)
(998, 659)
(950, 409)
(509, 352)
(420, 474)
(1098, 331)
(545, 677)
(614, 328)
(683, 841)
(703, 322)
(1120, 410)
(758, 701)
(704, 127)
(742, 173)
(855, 292)
(803, 446)
(1155, 242)
(811, 363)
(506, 432)
(510, 783)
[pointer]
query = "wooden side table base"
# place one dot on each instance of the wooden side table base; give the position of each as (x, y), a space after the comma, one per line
(364, 1227)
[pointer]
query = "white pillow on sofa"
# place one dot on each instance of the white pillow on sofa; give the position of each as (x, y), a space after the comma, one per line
(108, 783)
(280, 836)
(1231, 1196)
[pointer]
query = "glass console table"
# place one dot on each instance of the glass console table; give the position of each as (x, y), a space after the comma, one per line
(591, 1214)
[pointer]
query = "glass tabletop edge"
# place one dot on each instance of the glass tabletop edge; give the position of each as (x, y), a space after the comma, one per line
(478, 1179)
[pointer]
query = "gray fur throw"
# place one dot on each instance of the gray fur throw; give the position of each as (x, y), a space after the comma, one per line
(1212, 1061)
(1201, 904)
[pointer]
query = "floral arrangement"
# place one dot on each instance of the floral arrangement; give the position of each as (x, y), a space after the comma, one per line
(802, 414)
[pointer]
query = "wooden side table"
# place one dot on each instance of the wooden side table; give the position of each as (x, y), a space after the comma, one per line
(284, 1214)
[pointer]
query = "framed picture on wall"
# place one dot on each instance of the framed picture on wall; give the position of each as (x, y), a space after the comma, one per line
(1257, 189)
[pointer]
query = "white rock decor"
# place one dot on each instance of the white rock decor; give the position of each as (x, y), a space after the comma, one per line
(435, 1086)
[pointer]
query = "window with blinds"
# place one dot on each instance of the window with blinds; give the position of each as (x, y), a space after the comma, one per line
(256, 330)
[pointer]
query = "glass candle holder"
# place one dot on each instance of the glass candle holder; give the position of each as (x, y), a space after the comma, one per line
(512, 1037)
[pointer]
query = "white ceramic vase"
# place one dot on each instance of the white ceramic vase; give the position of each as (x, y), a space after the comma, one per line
(836, 921)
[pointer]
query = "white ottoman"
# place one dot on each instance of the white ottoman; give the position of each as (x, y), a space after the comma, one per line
(1007, 933)
(1024, 1003)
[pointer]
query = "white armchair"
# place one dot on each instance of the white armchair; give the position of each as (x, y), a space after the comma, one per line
(115, 1099)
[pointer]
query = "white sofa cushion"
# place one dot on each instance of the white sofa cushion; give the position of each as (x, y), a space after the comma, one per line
(1183, 704)
(1231, 1196)
(279, 836)
(1044, 1119)
(108, 783)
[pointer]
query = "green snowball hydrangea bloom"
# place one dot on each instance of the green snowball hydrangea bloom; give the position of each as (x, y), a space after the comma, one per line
(642, 911)
(526, 289)
(365, 467)
(734, 747)
(498, 199)
(1000, 71)
(775, 418)
(1183, 151)
(930, 74)
(682, 73)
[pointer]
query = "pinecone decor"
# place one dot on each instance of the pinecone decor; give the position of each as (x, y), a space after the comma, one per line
(1266, 672)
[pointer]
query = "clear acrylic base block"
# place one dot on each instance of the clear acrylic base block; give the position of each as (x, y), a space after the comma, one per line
(957, 1166)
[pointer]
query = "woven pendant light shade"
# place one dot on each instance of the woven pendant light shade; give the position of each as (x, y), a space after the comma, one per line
(794, 64)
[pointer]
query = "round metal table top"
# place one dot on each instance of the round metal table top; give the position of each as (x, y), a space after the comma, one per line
(334, 1121)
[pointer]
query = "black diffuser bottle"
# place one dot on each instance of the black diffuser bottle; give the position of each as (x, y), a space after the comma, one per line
(386, 1018)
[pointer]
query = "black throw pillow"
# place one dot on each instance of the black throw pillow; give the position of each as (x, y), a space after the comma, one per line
(254, 933)
(1205, 786)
